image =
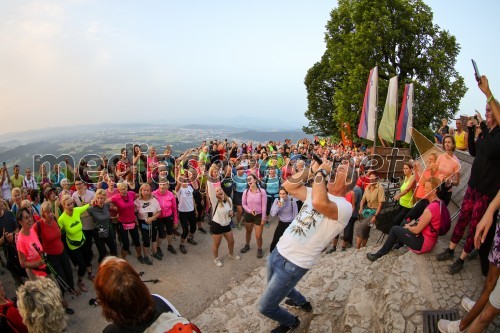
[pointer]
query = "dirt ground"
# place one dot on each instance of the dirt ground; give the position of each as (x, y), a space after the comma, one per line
(191, 282)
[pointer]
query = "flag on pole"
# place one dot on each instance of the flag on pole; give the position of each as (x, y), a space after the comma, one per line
(366, 127)
(388, 122)
(405, 121)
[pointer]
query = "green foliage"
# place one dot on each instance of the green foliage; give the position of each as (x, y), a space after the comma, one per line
(400, 38)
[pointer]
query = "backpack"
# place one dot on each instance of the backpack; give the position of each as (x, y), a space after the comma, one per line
(445, 220)
(5, 324)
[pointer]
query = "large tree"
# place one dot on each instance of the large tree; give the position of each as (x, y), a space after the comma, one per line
(400, 38)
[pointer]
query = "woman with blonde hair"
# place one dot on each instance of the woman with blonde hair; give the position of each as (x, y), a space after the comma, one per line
(70, 222)
(148, 210)
(39, 303)
(103, 233)
(17, 199)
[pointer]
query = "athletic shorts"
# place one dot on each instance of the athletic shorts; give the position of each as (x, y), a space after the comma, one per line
(250, 218)
(217, 229)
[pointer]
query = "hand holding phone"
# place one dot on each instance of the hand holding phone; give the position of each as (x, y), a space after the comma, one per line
(476, 71)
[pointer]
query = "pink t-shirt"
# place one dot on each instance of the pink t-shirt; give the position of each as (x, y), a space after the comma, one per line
(126, 208)
(24, 245)
(255, 202)
(431, 237)
(447, 166)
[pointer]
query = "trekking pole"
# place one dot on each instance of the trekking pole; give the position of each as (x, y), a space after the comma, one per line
(54, 273)
(154, 281)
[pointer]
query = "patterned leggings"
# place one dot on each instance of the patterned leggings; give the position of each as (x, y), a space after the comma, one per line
(473, 208)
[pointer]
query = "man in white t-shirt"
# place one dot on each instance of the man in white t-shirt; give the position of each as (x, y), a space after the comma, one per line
(324, 214)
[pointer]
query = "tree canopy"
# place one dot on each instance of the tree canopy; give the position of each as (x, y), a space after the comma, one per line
(400, 38)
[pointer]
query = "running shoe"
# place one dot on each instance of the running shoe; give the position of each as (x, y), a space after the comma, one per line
(235, 257)
(218, 263)
(467, 304)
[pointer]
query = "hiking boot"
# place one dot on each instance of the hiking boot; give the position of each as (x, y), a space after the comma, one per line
(147, 260)
(259, 253)
(141, 259)
(333, 249)
(373, 256)
(218, 263)
(467, 304)
(203, 231)
(159, 251)
(307, 307)
(191, 241)
(448, 326)
(183, 248)
(245, 248)
(156, 255)
(456, 267)
(171, 249)
(284, 328)
(445, 255)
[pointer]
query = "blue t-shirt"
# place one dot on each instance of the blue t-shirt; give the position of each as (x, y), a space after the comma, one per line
(240, 183)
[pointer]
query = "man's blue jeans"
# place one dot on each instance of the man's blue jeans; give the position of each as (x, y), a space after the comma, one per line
(282, 276)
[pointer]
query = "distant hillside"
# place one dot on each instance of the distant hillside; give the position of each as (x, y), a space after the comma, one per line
(210, 127)
(23, 155)
(266, 136)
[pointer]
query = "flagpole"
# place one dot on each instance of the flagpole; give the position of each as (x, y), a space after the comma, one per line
(396, 120)
(376, 118)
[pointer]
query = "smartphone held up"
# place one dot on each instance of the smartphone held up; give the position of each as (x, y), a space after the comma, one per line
(476, 71)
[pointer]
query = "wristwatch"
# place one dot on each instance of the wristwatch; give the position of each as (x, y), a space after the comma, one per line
(322, 171)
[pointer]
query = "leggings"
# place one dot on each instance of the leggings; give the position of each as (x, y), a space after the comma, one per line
(60, 263)
(134, 233)
(404, 236)
(278, 232)
(165, 223)
(148, 234)
(77, 259)
(101, 243)
(86, 248)
(349, 230)
(198, 199)
(185, 218)
(400, 215)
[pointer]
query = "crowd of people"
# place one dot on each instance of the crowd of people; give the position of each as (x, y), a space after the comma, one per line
(316, 189)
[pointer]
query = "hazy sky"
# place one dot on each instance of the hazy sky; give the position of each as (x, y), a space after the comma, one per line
(92, 61)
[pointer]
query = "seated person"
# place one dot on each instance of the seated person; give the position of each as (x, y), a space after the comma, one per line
(422, 237)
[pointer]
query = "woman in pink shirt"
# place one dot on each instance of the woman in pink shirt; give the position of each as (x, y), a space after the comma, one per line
(168, 216)
(254, 204)
(27, 244)
(124, 202)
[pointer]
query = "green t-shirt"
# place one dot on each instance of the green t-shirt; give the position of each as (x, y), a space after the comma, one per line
(17, 182)
(72, 225)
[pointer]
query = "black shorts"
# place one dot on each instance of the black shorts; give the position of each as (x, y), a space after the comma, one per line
(217, 229)
(237, 198)
(250, 218)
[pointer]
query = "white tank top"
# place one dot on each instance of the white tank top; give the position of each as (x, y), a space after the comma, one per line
(186, 202)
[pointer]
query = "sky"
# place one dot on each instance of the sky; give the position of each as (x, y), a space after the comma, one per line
(230, 62)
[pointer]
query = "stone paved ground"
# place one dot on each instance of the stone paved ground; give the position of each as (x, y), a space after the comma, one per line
(351, 294)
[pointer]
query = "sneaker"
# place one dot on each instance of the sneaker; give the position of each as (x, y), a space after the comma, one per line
(445, 255)
(307, 307)
(333, 249)
(218, 263)
(232, 224)
(147, 260)
(456, 267)
(448, 326)
(467, 304)
(235, 257)
(192, 241)
(239, 226)
(203, 231)
(141, 259)
(259, 253)
(284, 328)
(183, 248)
(69, 311)
(245, 248)
(156, 255)
(159, 251)
(372, 256)
(267, 224)
(82, 286)
(171, 249)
